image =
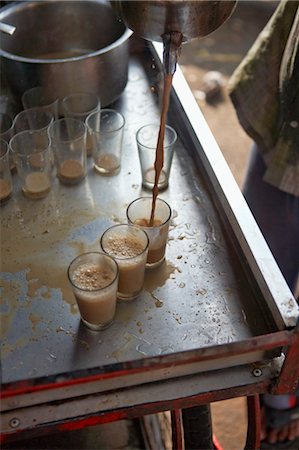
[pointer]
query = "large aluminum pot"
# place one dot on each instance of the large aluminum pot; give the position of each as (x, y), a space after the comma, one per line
(152, 19)
(67, 46)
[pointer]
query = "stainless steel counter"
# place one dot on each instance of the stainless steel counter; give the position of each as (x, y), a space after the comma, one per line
(218, 289)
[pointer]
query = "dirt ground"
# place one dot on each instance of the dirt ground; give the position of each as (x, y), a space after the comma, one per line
(222, 51)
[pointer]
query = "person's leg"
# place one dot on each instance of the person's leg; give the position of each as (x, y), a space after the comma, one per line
(277, 214)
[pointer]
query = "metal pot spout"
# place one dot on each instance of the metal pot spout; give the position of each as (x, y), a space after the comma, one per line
(151, 19)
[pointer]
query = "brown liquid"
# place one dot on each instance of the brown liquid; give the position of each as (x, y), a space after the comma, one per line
(71, 171)
(37, 185)
(159, 161)
(107, 163)
(5, 190)
(145, 222)
(96, 296)
(131, 258)
(155, 253)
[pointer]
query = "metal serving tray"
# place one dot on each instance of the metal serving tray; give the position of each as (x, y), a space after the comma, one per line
(209, 307)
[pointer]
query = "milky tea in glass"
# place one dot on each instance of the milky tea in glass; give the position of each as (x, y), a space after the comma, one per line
(139, 213)
(94, 278)
(128, 245)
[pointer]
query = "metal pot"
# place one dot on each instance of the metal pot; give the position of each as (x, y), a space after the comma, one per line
(193, 19)
(66, 46)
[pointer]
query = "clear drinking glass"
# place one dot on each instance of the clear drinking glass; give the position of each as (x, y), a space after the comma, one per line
(33, 119)
(68, 141)
(147, 138)
(94, 278)
(32, 155)
(106, 128)
(5, 174)
(128, 245)
(6, 127)
(79, 105)
(6, 133)
(139, 213)
(39, 96)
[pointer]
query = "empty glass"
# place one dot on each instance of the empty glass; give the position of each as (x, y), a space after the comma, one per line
(79, 106)
(5, 174)
(6, 127)
(32, 155)
(33, 119)
(6, 133)
(106, 128)
(68, 141)
(147, 138)
(40, 96)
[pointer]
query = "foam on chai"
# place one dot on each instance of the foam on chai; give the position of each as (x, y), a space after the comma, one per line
(128, 245)
(94, 280)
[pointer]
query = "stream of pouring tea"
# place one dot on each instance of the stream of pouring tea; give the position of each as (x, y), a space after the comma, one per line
(172, 44)
(159, 161)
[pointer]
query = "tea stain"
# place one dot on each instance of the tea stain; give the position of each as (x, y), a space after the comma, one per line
(10, 293)
(35, 319)
(158, 302)
(33, 284)
(155, 278)
(8, 348)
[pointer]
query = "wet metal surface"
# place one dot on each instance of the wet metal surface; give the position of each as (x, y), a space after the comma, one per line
(199, 297)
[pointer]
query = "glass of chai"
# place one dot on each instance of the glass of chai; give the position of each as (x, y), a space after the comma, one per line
(147, 137)
(79, 105)
(94, 279)
(32, 156)
(106, 127)
(128, 245)
(68, 141)
(139, 213)
(5, 174)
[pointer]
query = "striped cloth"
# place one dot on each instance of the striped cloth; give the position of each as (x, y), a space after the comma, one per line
(264, 90)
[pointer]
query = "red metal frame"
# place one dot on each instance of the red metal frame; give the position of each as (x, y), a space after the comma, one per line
(138, 411)
(177, 429)
(285, 383)
(254, 423)
(289, 375)
(265, 342)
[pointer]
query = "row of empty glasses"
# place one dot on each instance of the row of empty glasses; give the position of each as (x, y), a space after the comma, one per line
(37, 139)
(77, 105)
(62, 133)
